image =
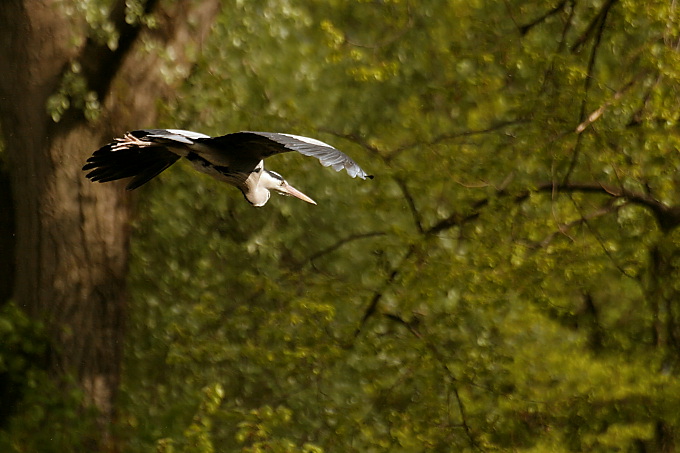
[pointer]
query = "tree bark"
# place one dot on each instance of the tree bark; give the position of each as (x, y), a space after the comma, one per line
(71, 235)
(7, 236)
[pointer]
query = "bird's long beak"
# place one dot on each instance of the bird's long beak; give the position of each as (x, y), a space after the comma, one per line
(287, 189)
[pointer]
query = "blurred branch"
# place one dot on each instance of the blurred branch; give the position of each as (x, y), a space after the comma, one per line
(412, 327)
(355, 139)
(562, 229)
(331, 248)
(446, 137)
(389, 156)
(411, 204)
(597, 26)
(524, 29)
(600, 241)
(597, 113)
(568, 23)
(378, 295)
(567, 26)
(455, 219)
(386, 41)
(637, 116)
(668, 217)
(458, 219)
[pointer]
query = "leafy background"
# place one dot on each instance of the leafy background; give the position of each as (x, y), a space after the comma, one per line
(508, 281)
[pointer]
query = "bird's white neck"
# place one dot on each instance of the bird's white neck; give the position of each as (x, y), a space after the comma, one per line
(257, 185)
(257, 196)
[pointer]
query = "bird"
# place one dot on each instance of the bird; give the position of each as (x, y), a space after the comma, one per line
(236, 158)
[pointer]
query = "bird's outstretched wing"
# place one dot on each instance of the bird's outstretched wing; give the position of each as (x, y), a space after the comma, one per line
(143, 154)
(260, 145)
(140, 154)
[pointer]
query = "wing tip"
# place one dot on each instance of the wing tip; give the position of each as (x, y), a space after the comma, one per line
(356, 171)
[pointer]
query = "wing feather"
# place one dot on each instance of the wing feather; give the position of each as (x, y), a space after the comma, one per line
(260, 145)
(126, 158)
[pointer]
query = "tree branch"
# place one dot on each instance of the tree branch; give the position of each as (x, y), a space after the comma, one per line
(596, 24)
(331, 248)
(412, 327)
(600, 241)
(563, 229)
(446, 137)
(411, 204)
(458, 219)
(524, 29)
(668, 217)
(378, 295)
(355, 139)
(597, 113)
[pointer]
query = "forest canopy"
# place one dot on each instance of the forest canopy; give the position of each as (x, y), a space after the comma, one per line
(508, 281)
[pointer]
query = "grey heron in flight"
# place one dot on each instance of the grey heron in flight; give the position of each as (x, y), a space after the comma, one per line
(237, 159)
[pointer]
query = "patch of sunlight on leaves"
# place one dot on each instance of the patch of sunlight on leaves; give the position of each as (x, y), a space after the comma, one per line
(267, 301)
(620, 435)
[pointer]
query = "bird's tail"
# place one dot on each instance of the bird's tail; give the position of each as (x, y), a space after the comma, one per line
(129, 157)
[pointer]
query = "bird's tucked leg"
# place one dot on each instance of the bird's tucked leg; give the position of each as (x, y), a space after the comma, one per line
(130, 141)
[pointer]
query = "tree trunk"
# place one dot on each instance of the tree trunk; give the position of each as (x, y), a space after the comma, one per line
(71, 235)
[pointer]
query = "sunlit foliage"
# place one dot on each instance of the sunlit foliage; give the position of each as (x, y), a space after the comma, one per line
(507, 282)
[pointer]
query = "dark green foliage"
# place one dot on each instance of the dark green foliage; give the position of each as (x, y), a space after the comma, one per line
(21, 352)
(38, 413)
(513, 261)
(507, 282)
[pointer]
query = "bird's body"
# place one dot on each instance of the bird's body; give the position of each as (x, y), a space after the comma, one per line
(237, 159)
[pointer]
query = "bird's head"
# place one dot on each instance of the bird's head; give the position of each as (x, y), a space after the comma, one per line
(270, 180)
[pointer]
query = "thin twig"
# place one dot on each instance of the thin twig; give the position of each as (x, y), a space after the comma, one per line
(372, 307)
(453, 136)
(339, 243)
(411, 204)
(597, 24)
(599, 239)
(355, 139)
(608, 208)
(524, 29)
(597, 113)
(412, 328)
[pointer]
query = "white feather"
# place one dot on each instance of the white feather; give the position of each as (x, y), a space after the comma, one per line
(311, 141)
(188, 134)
